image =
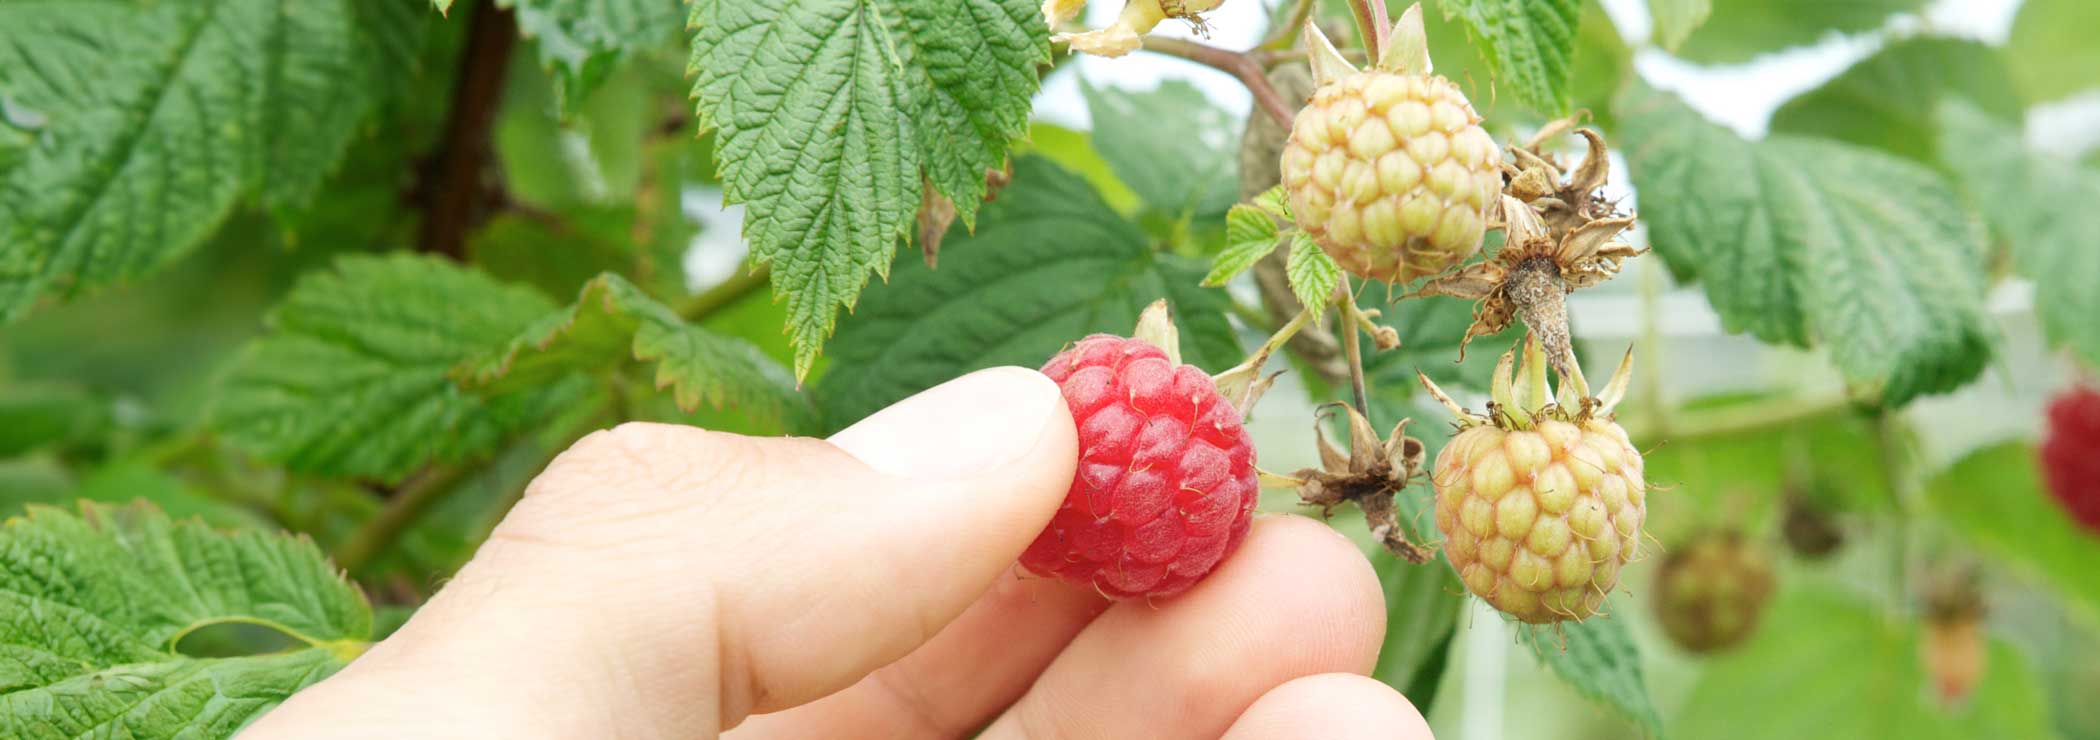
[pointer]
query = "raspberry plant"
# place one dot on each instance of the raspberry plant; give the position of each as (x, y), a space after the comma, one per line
(298, 295)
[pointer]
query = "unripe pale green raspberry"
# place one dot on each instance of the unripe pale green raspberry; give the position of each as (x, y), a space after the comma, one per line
(1538, 521)
(1391, 174)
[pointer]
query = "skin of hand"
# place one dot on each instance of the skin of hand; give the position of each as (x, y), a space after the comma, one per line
(661, 581)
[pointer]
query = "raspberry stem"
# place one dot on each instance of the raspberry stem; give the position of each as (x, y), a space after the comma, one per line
(1238, 64)
(1351, 326)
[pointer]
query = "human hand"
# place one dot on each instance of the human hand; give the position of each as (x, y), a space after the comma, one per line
(666, 581)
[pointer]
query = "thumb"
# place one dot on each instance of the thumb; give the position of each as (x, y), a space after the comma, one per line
(658, 578)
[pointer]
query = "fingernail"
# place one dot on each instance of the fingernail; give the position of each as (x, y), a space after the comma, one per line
(969, 425)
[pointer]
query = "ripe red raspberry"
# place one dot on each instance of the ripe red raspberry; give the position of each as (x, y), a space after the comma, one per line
(1165, 487)
(2071, 454)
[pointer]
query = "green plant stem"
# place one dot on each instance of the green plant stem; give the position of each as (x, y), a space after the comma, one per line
(1286, 33)
(729, 291)
(1237, 64)
(1351, 327)
(1891, 439)
(404, 507)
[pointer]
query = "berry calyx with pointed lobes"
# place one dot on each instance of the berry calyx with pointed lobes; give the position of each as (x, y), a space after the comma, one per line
(1388, 169)
(2071, 455)
(1165, 487)
(1541, 500)
(1711, 591)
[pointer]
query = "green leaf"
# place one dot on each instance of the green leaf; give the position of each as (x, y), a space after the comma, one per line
(158, 118)
(443, 6)
(613, 321)
(1676, 19)
(1890, 100)
(1738, 473)
(2044, 208)
(1740, 30)
(1825, 665)
(127, 481)
(92, 606)
(1803, 241)
(2051, 51)
(352, 378)
(1250, 234)
(1994, 499)
(34, 415)
(1529, 45)
(1600, 660)
(585, 40)
(1074, 150)
(1172, 145)
(831, 116)
(1048, 264)
(1602, 62)
(1312, 273)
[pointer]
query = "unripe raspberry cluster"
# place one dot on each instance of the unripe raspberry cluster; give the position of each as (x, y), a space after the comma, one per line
(1540, 500)
(1391, 174)
(1711, 591)
(1538, 521)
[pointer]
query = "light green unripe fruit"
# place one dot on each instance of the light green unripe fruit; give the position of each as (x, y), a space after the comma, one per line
(1542, 501)
(1391, 174)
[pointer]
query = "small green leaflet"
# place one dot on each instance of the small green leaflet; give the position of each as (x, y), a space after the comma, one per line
(154, 120)
(1995, 499)
(613, 321)
(92, 606)
(1806, 241)
(1598, 657)
(1824, 664)
(585, 40)
(1048, 264)
(2043, 207)
(1529, 44)
(1312, 273)
(1176, 148)
(1740, 30)
(2051, 51)
(1890, 100)
(352, 377)
(1250, 234)
(832, 115)
(1676, 19)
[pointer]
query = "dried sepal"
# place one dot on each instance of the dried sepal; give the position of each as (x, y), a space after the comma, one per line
(1464, 416)
(1369, 475)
